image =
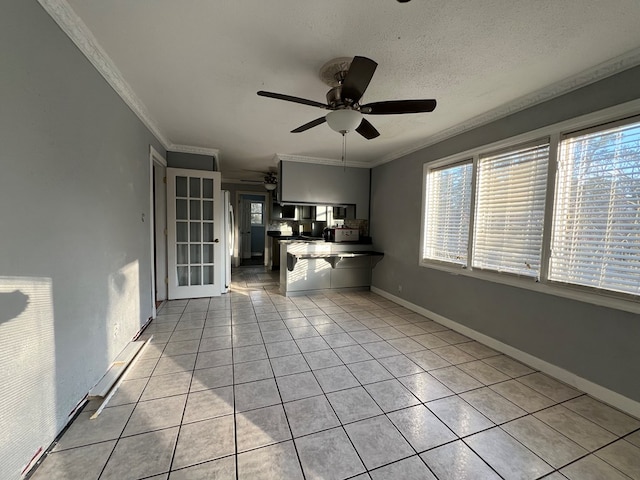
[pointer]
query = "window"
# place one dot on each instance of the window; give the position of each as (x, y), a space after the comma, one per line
(550, 213)
(448, 202)
(509, 214)
(596, 220)
(257, 213)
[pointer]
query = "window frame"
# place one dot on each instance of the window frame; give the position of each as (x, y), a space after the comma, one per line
(555, 133)
(261, 213)
(568, 136)
(490, 156)
(423, 237)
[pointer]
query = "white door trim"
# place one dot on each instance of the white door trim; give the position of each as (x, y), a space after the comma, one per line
(154, 157)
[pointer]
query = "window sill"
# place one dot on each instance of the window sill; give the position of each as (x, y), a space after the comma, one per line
(570, 292)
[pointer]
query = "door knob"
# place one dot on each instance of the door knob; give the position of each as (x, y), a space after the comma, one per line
(216, 241)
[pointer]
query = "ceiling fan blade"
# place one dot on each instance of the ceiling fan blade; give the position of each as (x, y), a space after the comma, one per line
(392, 107)
(367, 130)
(307, 126)
(358, 78)
(289, 98)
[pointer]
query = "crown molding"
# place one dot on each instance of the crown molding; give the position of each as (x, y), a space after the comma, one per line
(592, 75)
(236, 181)
(212, 152)
(81, 36)
(319, 161)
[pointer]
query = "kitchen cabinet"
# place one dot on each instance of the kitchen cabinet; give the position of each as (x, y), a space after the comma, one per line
(313, 184)
(307, 212)
(283, 212)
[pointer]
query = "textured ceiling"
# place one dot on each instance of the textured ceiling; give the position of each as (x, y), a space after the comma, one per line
(196, 65)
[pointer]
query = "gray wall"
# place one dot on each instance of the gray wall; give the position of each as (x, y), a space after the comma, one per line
(596, 343)
(193, 161)
(325, 185)
(75, 266)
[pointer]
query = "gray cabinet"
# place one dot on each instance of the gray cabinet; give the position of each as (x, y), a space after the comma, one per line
(352, 272)
(312, 184)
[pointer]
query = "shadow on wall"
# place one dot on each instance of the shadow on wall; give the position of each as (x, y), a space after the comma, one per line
(28, 370)
(49, 359)
(12, 304)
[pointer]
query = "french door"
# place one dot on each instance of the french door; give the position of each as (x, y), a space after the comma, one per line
(194, 232)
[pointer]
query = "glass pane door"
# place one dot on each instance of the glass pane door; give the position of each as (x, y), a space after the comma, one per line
(194, 230)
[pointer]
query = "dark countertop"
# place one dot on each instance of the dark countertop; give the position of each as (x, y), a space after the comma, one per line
(309, 238)
(292, 237)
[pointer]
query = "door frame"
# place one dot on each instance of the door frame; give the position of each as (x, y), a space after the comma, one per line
(245, 227)
(157, 158)
(237, 257)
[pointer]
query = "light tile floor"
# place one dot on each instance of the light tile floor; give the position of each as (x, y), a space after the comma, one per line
(253, 385)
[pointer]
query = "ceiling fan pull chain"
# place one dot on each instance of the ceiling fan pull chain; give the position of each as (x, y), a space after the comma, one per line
(344, 152)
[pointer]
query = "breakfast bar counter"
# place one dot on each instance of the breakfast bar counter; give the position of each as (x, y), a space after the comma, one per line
(331, 258)
(316, 266)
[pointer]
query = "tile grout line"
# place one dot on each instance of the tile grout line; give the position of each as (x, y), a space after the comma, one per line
(134, 408)
(333, 409)
(186, 402)
(342, 424)
(284, 410)
(386, 413)
(353, 308)
(136, 405)
(233, 390)
(400, 353)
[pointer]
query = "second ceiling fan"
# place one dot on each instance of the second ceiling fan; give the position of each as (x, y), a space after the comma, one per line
(349, 78)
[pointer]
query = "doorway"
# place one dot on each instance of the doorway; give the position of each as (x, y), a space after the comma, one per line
(158, 173)
(253, 219)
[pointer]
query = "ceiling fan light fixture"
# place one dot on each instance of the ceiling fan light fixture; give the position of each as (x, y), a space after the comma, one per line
(270, 181)
(344, 120)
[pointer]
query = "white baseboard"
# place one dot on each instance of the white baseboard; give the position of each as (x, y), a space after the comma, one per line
(614, 399)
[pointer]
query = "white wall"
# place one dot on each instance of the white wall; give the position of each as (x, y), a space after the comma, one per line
(75, 266)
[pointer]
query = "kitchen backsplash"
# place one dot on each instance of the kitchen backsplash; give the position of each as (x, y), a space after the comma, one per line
(361, 224)
(293, 227)
(284, 227)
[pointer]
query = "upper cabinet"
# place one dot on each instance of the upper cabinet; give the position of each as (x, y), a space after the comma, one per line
(307, 212)
(284, 212)
(325, 185)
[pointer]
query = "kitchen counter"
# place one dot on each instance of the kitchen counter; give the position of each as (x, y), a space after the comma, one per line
(314, 266)
(302, 238)
(332, 258)
(309, 238)
(276, 239)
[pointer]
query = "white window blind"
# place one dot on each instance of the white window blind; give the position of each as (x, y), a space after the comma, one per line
(448, 201)
(596, 221)
(510, 200)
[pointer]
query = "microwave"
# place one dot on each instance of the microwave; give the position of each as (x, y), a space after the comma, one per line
(342, 235)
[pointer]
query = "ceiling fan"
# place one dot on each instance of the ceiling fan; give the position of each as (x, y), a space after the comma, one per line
(270, 179)
(348, 79)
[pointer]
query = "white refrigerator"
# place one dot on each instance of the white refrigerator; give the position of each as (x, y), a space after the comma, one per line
(228, 243)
